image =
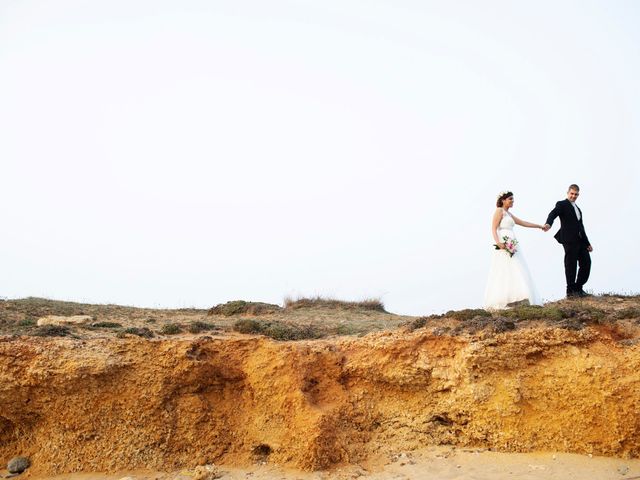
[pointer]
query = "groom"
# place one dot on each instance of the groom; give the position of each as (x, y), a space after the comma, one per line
(574, 239)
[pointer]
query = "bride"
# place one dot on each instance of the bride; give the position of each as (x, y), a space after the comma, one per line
(509, 281)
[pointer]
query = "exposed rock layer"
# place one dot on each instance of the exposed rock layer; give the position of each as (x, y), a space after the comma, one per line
(112, 404)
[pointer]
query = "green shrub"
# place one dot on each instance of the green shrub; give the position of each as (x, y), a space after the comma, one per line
(629, 312)
(27, 322)
(277, 330)
(106, 325)
(534, 312)
(170, 329)
(198, 326)
(52, 331)
(248, 325)
(417, 323)
(593, 313)
(467, 313)
(583, 312)
(284, 331)
(139, 331)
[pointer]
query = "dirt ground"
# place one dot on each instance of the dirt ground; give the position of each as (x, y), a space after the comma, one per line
(434, 463)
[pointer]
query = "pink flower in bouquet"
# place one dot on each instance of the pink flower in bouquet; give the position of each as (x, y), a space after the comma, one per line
(510, 245)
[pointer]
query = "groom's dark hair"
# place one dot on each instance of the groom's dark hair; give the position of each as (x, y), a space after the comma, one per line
(502, 198)
(575, 187)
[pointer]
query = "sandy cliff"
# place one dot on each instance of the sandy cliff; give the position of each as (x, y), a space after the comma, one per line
(125, 403)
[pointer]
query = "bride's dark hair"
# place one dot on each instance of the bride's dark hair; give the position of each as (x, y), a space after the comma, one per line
(502, 197)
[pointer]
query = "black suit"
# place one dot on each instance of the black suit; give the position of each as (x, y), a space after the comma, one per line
(574, 239)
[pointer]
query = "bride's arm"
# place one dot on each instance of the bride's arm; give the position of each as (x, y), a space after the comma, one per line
(495, 223)
(522, 223)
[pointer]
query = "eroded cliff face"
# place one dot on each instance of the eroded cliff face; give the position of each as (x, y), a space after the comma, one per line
(113, 404)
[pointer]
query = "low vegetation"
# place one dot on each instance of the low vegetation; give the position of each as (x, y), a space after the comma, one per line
(629, 312)
(199, 326)
(373, 304)
(170, 329)
(240, 307)
(568, 314)
(39, 307)
(139, 331)
(278, 330)
(106, 325)
(419, 322)
(621, 296)
(467, 313)
(52, 331)
(527, 312)
(310, 318)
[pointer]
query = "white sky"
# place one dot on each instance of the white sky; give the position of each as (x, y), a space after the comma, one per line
(188, 153)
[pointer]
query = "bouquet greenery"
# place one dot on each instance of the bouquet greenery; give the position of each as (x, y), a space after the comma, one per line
(510, 245)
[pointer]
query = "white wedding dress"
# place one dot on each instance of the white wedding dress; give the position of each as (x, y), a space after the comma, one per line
(509, 278)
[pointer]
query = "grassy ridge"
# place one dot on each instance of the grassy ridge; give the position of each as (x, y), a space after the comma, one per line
(303, 318)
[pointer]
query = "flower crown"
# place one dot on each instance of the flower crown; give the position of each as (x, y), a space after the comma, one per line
(503, 193)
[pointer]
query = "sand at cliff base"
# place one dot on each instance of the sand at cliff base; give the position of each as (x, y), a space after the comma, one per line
(441, 463)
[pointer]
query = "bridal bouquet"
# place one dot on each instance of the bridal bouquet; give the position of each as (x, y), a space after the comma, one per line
(510, 245)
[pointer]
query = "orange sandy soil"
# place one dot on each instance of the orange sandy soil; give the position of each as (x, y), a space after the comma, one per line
(338, 407)
(433, 463)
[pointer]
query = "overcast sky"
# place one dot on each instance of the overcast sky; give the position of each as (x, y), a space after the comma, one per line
(187, 153)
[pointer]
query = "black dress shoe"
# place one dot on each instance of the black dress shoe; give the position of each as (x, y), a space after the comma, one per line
(572, 294)
(582, 293)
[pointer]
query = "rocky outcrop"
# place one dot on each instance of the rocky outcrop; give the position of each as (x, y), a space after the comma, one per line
(64, 320)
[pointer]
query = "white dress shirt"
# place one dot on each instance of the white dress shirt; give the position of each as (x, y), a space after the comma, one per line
(575, 207)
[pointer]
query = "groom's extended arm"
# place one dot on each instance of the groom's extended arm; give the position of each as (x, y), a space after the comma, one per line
(553, 214)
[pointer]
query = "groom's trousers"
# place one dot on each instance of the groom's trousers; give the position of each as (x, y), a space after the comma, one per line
(576, 255)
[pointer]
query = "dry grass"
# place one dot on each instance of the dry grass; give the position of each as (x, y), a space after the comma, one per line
(307, 318)
(327, 317)
(467, 313)
(373, 304)
(572, 314)
(241, 307)
(628, 312)
(619, 295)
